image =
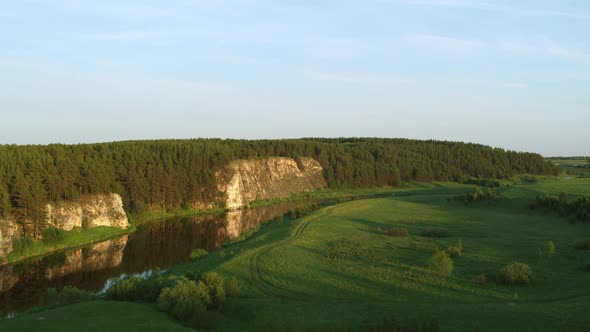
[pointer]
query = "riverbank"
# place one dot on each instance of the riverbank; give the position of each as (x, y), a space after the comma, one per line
(28, 249)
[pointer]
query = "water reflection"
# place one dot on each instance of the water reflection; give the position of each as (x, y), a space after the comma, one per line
(152, 246)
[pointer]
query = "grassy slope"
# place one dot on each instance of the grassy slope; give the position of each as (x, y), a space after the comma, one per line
(288, 284)
(384, 275)
(96, 316)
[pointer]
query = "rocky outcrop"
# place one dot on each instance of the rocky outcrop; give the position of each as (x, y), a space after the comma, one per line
(261, 179)
(8, 233)
(88, 212)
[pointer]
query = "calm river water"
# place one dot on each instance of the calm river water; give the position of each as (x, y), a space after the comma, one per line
(153, 245)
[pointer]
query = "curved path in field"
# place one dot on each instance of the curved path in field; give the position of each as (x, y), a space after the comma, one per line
(269, 288)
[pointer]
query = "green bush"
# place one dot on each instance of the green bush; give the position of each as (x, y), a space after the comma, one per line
(185, 300)
(70, 295)
(215, 284)
(516, 274)
(441, 264)
(453, 251)
(233, 287)
(126, 289)
(435, 232)
(550, 249)
(397, 232)
(52, 235)
(22, 245)
(198, 254)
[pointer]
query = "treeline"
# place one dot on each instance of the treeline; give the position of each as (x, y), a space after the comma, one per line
(170, 174)
(578, 208)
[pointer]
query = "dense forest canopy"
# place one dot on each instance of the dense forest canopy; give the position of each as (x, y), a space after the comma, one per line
(167, 174)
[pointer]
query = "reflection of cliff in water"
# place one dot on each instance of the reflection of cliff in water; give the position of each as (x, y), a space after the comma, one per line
(153, 245)
(23, 284)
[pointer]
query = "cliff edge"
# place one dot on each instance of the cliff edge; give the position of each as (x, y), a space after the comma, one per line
(269, 178)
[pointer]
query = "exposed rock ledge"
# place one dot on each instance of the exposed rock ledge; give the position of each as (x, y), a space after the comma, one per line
(88, 212)
(8, 231)
(270, 178)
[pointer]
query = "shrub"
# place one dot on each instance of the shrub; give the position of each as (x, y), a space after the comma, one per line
(453, 251)
(550, 249)
(516, 274)
(52, 235)
(582, 245)
(70, 295)
(479, 279)
(22, 245)
(214, 283)
(441, 264)
(233, 287)
(185, 300)
(435, 232)
(126, 289)
(397, 232)
(198, 253)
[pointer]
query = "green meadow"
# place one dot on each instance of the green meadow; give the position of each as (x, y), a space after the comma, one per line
(339, 268)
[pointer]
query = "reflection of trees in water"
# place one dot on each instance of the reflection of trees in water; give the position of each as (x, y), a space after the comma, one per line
(154, 245)
(86, 268)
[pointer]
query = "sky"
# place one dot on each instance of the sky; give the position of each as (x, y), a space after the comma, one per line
(513, 74)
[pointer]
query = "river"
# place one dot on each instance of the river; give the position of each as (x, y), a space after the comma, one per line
(156, 245)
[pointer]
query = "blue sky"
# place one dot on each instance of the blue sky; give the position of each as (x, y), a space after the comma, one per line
(513, 74)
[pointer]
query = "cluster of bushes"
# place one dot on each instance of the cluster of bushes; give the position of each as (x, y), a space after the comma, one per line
(435, 232)
(490, 195)
(491, 183)
(189, 298)
(579, 208)
(22, 245)
(398, 232)
(198, 254)
(53, 235)
(516, 274)
(68, 295)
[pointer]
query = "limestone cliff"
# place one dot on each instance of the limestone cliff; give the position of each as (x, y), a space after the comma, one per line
(88, 212)
(8, 232)
(259, 179)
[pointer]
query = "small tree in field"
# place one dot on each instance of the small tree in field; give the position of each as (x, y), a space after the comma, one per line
(516, 274)
(550, 249)
(441, 264)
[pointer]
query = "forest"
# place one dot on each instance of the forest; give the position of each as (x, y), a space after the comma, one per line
(171, 174)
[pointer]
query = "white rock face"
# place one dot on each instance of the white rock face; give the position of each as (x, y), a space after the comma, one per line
(89, 212)
(8, 232)
(260, 179)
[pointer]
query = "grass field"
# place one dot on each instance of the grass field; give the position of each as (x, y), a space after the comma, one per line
(576, 166)
(338, 269)
(96, 316)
